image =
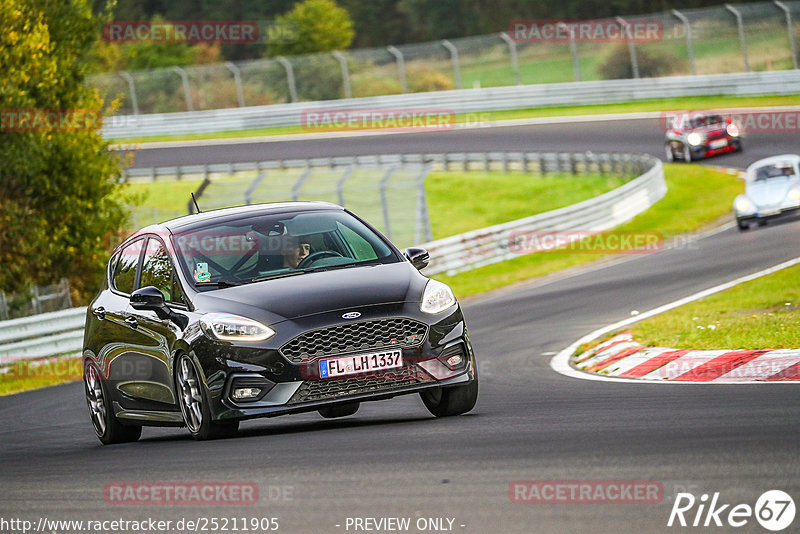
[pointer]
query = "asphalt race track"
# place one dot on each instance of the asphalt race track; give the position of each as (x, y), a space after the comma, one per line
(392, 459)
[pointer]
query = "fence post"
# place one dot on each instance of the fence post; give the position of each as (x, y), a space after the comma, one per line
(401, 66)
(788, 15)
(573, 50)
(512, 51)
(348, 93)
(3, 307)
(742, 38)
(384, 202)
(631, 48)
(237, 79)
(248, 195)
(186, 90)
(454, 58)
(689, 46)
(132, 90)
(300, 181)
(289, 76)
(423, 219)
(348, 172)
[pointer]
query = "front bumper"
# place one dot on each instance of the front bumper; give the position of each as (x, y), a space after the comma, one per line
(293, 385)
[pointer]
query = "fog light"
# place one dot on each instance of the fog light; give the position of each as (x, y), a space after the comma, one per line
(454, 361)
(245, 393)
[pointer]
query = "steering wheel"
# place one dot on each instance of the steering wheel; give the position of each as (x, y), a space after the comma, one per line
(311, 258)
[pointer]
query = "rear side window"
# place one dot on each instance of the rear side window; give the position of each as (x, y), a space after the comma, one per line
(125, 268)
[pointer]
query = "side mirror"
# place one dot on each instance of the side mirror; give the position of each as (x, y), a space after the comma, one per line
(418, 257)
(150, 298)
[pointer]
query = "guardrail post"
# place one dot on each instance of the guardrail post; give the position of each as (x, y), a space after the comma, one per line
(788, 14)
(287, 65)
(186, 89)
(631, 47)
(454, 58)
(237, 79)
(423, 225)
(348, 172)
(573, 50)
(387, 228)
(132, 90)
(512, 51)
(742, 38)
(348, 93)
(689, 45)
(401, 66)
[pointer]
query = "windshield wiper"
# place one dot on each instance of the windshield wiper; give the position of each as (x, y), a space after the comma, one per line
(277, 275)
(217, 283)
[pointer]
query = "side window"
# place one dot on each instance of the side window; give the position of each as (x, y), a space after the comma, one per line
(157, 271)
(125, 268)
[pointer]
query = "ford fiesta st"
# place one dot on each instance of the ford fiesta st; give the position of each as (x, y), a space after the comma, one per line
(266, 310)
(772, 189)
(696, 136)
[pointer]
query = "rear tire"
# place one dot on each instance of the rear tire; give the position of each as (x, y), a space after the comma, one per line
(193, 401)
(101, 411)
(455, 400)
(340, 410)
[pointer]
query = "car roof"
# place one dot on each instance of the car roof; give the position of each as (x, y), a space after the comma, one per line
(793, 158)
(223, 215)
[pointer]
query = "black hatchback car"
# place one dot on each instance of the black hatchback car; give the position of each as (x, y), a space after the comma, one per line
(268, 310)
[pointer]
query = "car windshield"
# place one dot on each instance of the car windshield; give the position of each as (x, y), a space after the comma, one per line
(257, 248)
(700, 121)
(780, 170)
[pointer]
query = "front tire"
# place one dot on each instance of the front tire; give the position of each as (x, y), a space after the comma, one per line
(193, 401)
(106, 425)
(743, 225)
(455, 400)
(687, 154)
(340, 410)
(669, 153)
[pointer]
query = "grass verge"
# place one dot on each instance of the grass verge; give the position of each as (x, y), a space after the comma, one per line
(673, 104)
(34, 374)
(759, 314)
(697, 197)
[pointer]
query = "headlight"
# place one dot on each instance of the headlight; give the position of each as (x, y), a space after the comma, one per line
(227, 327)
(694, 138)
(742, 205)
(437, 297)
(794, 195)
(732, 130)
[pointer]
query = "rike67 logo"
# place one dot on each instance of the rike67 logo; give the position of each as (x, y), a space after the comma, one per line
(774, 510)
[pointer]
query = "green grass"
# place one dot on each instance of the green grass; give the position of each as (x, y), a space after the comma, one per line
(23, 376)
(672, 104)
(760, 314)
(697, 197)
(495, 197)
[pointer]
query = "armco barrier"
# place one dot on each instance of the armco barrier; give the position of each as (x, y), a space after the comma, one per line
(491, 245)
(460, 101)
(46, 334)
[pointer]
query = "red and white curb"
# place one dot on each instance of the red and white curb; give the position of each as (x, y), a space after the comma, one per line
(621, 356)
(621, 359)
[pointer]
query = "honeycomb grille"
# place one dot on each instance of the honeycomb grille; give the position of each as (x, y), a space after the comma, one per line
(355, 336)
(316, 390)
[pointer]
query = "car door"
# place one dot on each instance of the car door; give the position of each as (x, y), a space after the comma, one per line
(151, 355)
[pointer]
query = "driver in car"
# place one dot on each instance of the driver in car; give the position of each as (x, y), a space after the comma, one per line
(294, 250)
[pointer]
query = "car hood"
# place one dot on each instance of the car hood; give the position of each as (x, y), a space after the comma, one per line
(769, 192)
(280, 299)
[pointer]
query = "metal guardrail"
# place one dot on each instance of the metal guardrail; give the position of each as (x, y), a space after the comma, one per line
(460, 101)
(46, 334)
(494, 244)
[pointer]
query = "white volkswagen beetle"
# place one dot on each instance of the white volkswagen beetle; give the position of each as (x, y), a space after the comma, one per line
(772, 189)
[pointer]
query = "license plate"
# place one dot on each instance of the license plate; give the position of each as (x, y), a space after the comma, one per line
(769, 212)
(360, 363)
(718, 143)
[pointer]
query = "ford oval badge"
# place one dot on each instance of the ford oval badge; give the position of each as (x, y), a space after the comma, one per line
(351, 315)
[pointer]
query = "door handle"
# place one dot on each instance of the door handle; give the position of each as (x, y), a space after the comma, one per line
(132, 322)
(99, 312)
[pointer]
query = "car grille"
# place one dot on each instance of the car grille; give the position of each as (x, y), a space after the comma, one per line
(327, 389)
(355, 336)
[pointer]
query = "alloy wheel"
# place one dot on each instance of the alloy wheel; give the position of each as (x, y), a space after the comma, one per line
(96, 400)
(191, 398)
